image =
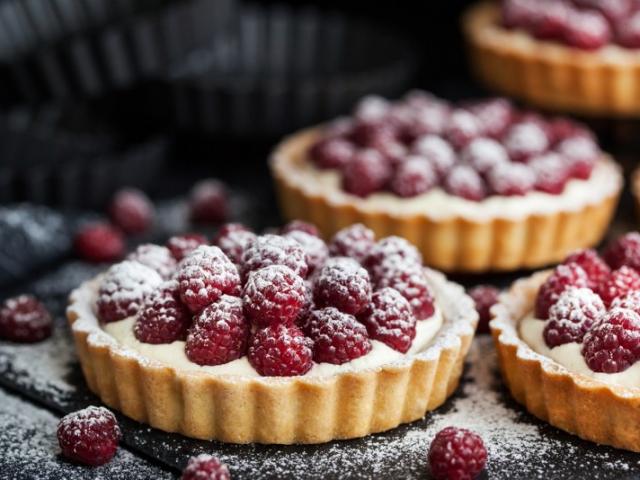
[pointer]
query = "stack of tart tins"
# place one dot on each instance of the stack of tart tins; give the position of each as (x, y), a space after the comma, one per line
(52, 49)
(286, 68)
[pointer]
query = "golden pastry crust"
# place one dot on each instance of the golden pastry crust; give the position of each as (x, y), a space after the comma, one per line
(548, 74)
(282, 410)
(591, 409)
(453, 244)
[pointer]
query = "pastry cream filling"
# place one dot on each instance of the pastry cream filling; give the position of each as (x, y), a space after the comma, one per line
(173, 353)
(569, 355)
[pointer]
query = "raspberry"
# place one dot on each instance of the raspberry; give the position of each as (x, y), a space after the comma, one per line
(123, 290)
(89, 436)
(624, 251)
(485, 297)
(430, 119)
(613, 344)
(463, 126)
(299, 225)
(390, 249)
(389, 320)
(576, 310)
(99, 242)
(131, 210)
(511, 179)
(483, 154)
(269, 250)
(280, 351)
(182, 245)
(631, 301)
(371, 108)
(519, 13)
(456, 453)
(628, 31)
(437, 150)
(367, 172)
(344, 284)
(563, 276)
(337, 337)
(155, 257)
(373, 134)
(561, 128)
(273, 294)
(208, 202)
(205, 467)
(551, 173)
(551, 21)
(581, 153)
(394, 153)
(614, 10)
(219, 333)
(204, 276)
(463, 181)
(24, 319)
(524, 140)
(355, 241)
(408, 278)
(413, 177)
(234, 239)
(495, 116)
(162, 318)
(332, 152)
(315, 250)
(597, 271)
(587, 30)
(618, 284)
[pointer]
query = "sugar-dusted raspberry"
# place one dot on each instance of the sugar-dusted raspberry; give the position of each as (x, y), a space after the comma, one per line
(519, 13)
(463, 181)
(618, 284)
(99, 242)
(437, 150)
(581, 153)
(332, 152)
(628, 31)
(89, 436)
(367, 173)
(625, 250)
(270, 249)
(234, 239)
(131, 210)
(573, 314)
(409, 279)
(390, 249)
(355, 241)
(463, 126)
(156, 257)
(483, 154)
(495, 115)
(456, 453)
(613, 344)
(371, 108)
(24, 319)
(551, 172)
(205, 467)
(162, 318)
(394, 152)
(587, 30)
(389, 319)
(219, 333)
(299, 225)
(524, 140)
(280, 351)
(562, 128)
(204, 276)
(413, 177)
(551, 21)
(182, 245)
(123, 290)
(563, 277)
(337, 337)
(315, 250)
(308, 305)
(344, 284)
(613, 10)
(273, 294)
(511, 179)
(596, 269)
(485, 297)
(631, 301)
(208, 201)
(429, 119)
(373, 134)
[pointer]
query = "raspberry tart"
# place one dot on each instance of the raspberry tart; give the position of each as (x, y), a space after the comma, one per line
(568, 343)
(477, 186)
(290, 341)
(578, 56)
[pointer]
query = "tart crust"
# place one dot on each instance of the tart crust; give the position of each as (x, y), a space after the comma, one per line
(453, 244)
(282, 410)
(591, 409)
(548, 74)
